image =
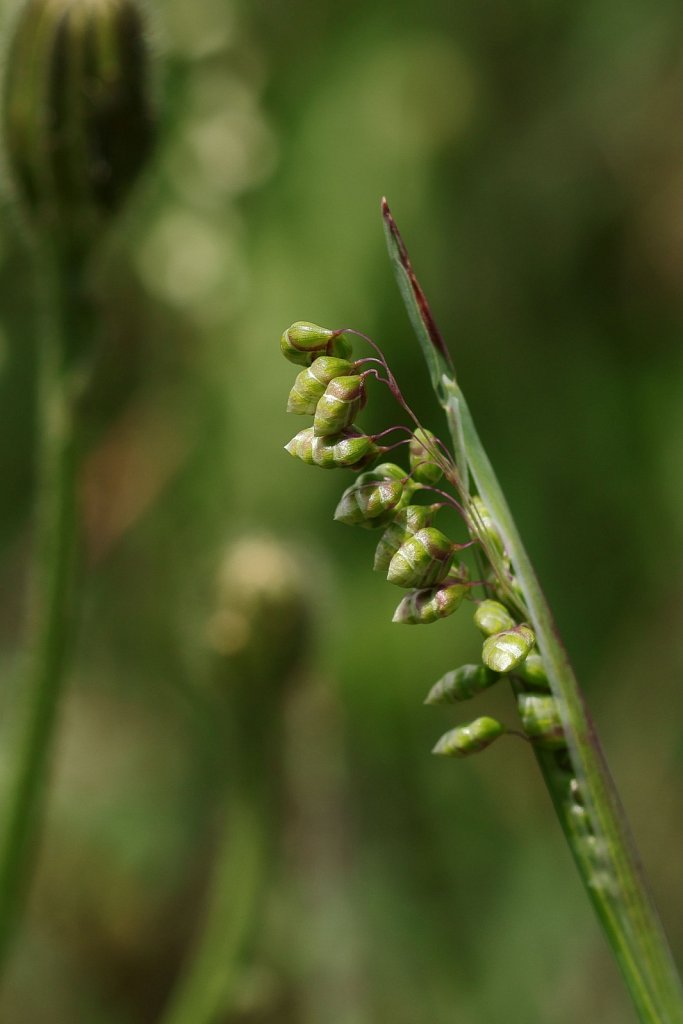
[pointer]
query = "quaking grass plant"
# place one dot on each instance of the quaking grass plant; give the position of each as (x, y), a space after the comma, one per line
(490, 569)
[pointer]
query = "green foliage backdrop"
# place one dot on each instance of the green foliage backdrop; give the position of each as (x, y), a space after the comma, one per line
(533, 155)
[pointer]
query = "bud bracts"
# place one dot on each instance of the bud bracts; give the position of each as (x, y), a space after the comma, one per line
(345, 449)
(504, 651)
(428, 605)
(423, 560)
(492, 617)
(338, 407)
(532, 671)
(470, 738)
(423, 467)
(303, 342)
(374, 498)
(461, 684)
(541, 720)
(482, 525)
(406, 523)
(310, 384)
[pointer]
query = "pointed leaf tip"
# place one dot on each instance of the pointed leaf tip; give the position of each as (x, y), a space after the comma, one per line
(439, 358)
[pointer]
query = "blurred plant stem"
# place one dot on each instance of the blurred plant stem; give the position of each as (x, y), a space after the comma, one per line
(65, 325)
(241, 871)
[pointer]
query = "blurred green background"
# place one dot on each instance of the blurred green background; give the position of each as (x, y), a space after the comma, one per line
(533, 157)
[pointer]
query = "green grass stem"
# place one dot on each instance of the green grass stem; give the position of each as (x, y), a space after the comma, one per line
(52, 608)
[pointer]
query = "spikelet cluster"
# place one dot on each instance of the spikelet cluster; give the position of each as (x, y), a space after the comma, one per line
(412, 551)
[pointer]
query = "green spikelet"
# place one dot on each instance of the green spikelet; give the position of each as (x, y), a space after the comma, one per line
(310, 384)
(345, 449)
(343, 399)
(406, 523)
(428, 605)
(469, 739)
(303, 343)
(483, 524)
(422, 561)
(541, 720)
(461, 684)
(504, 651)
(532, 671)
(422, 464)
(492, 617)
(374, 498)
(77, 113)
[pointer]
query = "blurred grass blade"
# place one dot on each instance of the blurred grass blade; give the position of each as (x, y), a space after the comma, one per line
(605, 855)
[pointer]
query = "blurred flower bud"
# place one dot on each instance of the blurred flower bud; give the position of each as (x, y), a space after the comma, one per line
(484, 524)
(77, 112)
(425, 606)
(345, 449)
(532, 671)
(406, 522)
(374, 498)
(310, 384)
(337, 409)
(470, 738)
(541, 720)
(262, 621)
(422, 561)
(504, 651)
(303, 342)
(492, 617)
(461, 684)
(422, 464)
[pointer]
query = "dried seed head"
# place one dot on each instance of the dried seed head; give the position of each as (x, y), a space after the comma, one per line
(504, 651)
(470, 738)
(532, 671)
(492, 617)
(303, 342)
(345, 449)
(541, 720)
(310, 384)
(461, 684)
(373, 499)
(77, 113)
(425, 606)
(424, 469)
(338, 407)
(421, 561)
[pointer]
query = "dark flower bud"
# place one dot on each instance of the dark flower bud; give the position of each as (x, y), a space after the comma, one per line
(406, 523)
(492, 617)
(470, 738)
(343, 399)
(428, 605)
(422, 561)
(310, 384)
(303, 342)
(423, 467)
(345, 449)
(78, 120)
(461, 684)
(504, 651)
(374, 498)
(541, 720)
